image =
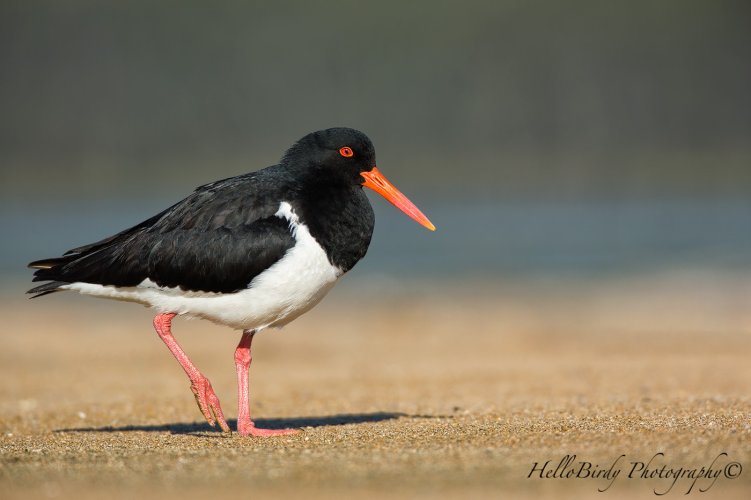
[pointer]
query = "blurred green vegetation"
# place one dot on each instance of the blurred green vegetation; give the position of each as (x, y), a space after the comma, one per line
(467, 99)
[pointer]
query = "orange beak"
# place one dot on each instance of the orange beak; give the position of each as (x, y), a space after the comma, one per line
(378, 183)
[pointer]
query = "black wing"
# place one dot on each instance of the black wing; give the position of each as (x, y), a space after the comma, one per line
(216, 240)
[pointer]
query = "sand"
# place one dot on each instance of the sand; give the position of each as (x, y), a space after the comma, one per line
(432, 392)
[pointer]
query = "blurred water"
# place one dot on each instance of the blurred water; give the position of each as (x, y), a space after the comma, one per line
(473, 239)
(584, 237)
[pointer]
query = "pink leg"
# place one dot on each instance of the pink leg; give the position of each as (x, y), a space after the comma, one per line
(206, 398)
(245, 425)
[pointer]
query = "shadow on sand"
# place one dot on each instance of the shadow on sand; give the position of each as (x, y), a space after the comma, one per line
(268, 423)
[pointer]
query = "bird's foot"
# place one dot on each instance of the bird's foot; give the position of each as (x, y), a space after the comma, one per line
(249, 429)
(208, 403)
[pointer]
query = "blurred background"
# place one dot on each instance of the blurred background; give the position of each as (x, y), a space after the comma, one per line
(544, 139)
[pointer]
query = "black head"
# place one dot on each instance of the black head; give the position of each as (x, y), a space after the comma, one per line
(340, 157)
(342, 153)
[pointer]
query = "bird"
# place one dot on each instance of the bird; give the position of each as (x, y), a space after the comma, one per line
(250, 252)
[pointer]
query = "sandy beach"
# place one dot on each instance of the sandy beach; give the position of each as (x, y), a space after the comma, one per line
(449, 392)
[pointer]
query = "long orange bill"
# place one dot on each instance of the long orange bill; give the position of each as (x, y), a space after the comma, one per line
(378, 183)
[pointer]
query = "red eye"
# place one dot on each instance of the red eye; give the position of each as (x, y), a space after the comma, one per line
(346, 152)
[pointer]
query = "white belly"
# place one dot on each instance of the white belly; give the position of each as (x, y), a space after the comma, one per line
(290, 287)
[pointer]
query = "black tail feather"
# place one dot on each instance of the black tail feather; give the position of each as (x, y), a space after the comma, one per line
(47, 288)
(53, 262)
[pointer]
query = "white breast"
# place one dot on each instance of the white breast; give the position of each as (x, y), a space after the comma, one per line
(290, 287)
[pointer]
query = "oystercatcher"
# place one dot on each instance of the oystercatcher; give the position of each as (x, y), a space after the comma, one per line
(250, 252)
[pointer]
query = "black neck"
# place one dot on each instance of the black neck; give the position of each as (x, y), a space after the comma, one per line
(340, 218)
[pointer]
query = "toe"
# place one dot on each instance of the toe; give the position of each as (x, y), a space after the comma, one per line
(202, 406)
(256, 432)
